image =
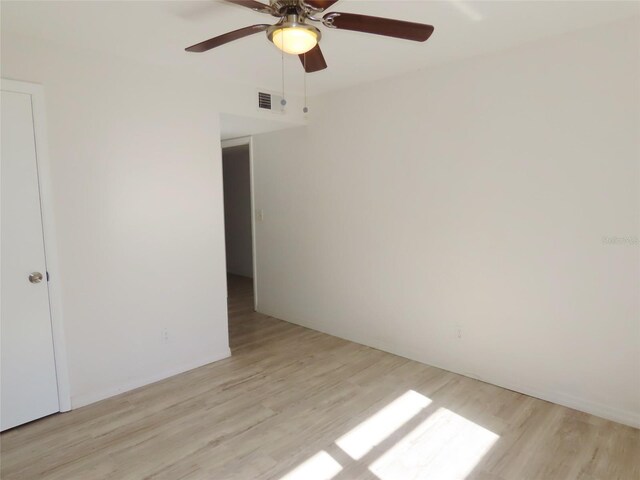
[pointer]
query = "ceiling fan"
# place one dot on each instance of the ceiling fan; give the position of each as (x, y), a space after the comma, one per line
(292, 34)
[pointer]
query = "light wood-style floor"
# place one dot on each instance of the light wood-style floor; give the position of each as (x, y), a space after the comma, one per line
(292, 403)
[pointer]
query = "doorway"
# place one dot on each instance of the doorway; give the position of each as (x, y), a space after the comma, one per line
(239, 220)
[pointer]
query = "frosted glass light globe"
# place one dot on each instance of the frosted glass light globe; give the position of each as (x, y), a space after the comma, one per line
(294, 40)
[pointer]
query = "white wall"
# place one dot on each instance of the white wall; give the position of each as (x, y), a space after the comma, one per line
(237, 210)
(137, 198)
(472, 195)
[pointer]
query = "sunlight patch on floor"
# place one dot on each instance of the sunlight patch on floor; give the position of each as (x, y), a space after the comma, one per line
(321, 466)
(359, 441)
(445, 446)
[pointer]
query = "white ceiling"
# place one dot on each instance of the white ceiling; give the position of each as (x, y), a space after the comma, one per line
(158, 31)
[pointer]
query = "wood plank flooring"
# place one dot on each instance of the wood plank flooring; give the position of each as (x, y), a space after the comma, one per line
(296, 404)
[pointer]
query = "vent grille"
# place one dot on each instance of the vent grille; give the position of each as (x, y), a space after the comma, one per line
(270, 101)
(264, 100)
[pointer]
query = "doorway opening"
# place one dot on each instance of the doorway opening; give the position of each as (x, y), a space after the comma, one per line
(239, 225)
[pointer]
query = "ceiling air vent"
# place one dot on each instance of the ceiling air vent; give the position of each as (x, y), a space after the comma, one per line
(270, 101)
(264, 100)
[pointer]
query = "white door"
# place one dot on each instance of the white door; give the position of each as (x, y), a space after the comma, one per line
(28, 376)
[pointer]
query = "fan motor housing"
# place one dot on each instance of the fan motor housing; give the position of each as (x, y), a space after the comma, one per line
(284, 7)
(292, 21)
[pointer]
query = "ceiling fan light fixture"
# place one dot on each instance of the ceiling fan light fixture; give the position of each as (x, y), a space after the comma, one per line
(294, 40)
(294, 37)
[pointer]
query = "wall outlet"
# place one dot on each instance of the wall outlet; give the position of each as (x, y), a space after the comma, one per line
(458, 332)
(165, 335)
(259, 215)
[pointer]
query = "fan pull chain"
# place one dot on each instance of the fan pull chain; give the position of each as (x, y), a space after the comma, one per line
(283, 102)
(305, 109)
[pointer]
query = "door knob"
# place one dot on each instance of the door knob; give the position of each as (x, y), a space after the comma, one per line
(35, 277)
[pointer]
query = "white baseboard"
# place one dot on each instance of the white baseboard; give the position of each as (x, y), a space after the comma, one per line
(617, 415)
(78, 401)
(599, 410)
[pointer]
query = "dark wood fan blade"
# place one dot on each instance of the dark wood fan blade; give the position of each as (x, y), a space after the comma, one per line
(226, 38)
(417, 32)
(253, 5)
(320, 4)
(313, 60)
